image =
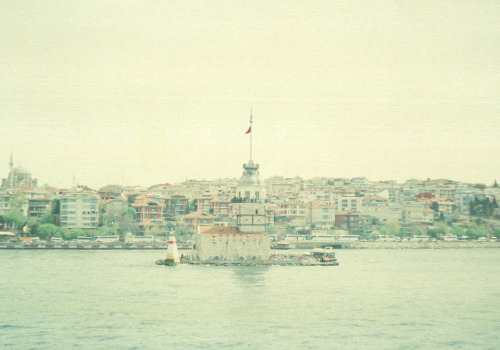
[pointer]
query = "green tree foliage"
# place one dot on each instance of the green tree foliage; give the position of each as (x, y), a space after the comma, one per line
(47, 219)
(192, 207)
(458, 231)
(403, 233)
(435, 206)
(45, 231)
(155, 230)
(393, 228)
(106, 230)
(56, 207)
(495, 184)
(383, 230)
(483, 208)
(128, 222)
(108, 219)
(15, 218)
(271, 230)
(480, 186)
(471, 233)
(419, 231)
(17, 201)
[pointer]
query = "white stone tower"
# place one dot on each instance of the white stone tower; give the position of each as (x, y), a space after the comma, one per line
(250, 196)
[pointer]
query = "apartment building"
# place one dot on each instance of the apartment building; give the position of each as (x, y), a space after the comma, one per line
(39, 206)
(79, 209)
(148, 209)
(294, 212)
(321, 216)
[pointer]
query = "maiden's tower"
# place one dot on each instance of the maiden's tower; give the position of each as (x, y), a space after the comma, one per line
(247, 241)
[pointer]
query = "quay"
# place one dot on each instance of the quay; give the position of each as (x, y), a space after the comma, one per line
(93, 246)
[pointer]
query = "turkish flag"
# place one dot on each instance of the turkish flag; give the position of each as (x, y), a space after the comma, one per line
(249, 130)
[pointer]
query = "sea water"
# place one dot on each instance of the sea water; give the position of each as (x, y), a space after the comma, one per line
(375, 299)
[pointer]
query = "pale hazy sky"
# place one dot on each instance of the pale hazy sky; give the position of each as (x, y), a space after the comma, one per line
(146, 92)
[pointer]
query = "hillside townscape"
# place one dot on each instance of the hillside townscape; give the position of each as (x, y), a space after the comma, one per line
(296, 208)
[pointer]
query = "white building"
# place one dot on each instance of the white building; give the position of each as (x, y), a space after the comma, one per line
(247, 241)
(229, 244)
(321, 216)
(413, 212)
(384, 212)
(348, 203)
(79, 209)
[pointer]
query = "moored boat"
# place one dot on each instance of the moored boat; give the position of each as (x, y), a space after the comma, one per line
(283, 245)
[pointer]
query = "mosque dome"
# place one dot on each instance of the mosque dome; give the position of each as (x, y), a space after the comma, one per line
(19, 170)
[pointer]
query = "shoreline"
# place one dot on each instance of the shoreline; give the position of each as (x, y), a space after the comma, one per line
(351, 245)
(421, 245)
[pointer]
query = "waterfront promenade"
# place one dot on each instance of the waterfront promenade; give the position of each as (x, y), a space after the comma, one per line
(350, 245)
(422, 245)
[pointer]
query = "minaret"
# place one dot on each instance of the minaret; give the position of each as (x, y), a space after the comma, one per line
(11, 171)
(251, 123)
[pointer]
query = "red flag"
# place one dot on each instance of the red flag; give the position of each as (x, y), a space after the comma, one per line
(249, 130)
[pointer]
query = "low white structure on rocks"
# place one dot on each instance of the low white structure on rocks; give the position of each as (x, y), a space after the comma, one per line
(229, 244)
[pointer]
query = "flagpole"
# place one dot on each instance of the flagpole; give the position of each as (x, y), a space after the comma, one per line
(251, 122)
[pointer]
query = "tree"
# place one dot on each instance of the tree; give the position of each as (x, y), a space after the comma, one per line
(419, 231)
(383, 230)
(393, 228)
(47, 218)
(45, 231)
(438, 231)
(68, 234)
(15, 218)
(404, 233)
(435, 206)
(155, 230)
(483, 208)
(128, 223)
(56, 206)
(495, 184)
(458, 231)
(271, 230)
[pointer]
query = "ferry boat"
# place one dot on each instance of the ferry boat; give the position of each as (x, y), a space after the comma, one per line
(281, 245)
(326, 256)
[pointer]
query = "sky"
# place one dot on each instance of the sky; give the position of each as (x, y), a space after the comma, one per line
(142, 93)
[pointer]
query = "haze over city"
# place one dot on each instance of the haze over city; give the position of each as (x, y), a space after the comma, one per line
(140, 94)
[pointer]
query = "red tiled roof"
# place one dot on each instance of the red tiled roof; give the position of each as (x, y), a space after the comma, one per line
(221, 230)
(198, 214)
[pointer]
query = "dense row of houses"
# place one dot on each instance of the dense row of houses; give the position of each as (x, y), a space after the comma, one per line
(322, 203)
